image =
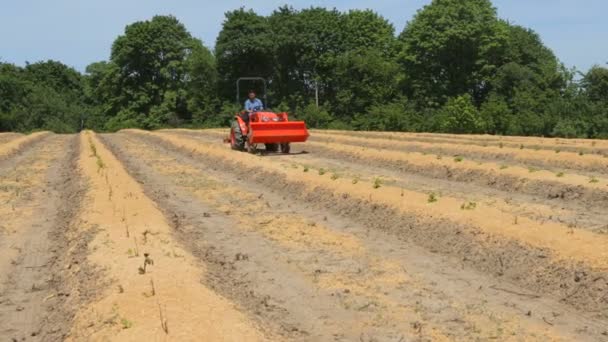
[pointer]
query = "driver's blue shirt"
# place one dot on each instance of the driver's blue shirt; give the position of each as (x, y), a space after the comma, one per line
(254, 105)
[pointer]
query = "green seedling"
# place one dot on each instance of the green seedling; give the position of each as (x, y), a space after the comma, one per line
(322, 171)
(521, 147)
(439, 157)
(532, 170)
(581, 153)
(306, 169)
(126, 324)
(458, 159)
(558, 150)
(501, 145)
(377, 183)
(502, 167)
(468, 206)
(334, 176)
(560, 174)
(355, 180)
(432, 198)
(593, 180)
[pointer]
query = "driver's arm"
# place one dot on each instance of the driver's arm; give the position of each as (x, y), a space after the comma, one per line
(248, 106)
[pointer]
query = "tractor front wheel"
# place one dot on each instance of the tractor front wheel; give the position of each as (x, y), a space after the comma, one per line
(285, 148)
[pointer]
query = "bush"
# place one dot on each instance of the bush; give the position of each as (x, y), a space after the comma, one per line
(394, 116)
(459, 115)
(315, 117)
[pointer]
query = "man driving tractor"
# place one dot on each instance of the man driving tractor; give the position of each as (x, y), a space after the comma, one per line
(253, 104)
(255, 126)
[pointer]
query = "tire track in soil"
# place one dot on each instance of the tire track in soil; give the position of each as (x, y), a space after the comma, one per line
(39, 193)
(539, 208)
(532, 257)
(468, 319)
(151, 288)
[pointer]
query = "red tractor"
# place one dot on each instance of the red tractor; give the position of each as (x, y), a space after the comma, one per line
(274, 130)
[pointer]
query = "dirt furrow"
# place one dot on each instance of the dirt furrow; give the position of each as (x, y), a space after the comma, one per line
(592, 191)
(555, 264)
(504, 177)
(593, 147)
(152, 287)
(19, 144)
(542, 141)
(556, 160)
(361, 273)
(36, 190)
(571, 201)
(537, 207)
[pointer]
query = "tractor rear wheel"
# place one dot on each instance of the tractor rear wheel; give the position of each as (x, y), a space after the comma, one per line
(272, 147)
(237, 140)
(285, 148)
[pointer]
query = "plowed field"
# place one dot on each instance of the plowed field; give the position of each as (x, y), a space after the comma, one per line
(354, 236)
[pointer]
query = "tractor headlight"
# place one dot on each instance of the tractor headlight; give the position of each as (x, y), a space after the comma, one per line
(275, 119)
(265, 119)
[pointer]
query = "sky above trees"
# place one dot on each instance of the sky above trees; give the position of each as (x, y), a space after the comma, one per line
(81, 32)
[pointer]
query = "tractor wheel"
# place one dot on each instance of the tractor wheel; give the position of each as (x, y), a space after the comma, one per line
(252, 148)
(237, 140)
(285, 148)
(272, 147)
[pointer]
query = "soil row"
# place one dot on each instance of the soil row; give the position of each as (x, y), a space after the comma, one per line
(149, 287)
(39, 194)
(302, 250)
(544, 159)
(519, 251)
(589, 191)
(539, 207)
(16, 145)
(599, 147)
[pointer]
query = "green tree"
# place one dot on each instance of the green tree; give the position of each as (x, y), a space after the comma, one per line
(595, 84)
(153, 78)
(363, 79)
(244, 48)
(451, 47)
(45, 95)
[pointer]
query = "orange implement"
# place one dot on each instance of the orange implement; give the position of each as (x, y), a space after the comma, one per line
(278, 132)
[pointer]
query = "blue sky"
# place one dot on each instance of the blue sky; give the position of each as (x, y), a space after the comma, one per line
(78, 32)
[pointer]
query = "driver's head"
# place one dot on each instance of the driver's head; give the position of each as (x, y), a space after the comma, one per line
(252, 95)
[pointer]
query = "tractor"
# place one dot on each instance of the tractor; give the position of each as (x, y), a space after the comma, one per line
(274, 130)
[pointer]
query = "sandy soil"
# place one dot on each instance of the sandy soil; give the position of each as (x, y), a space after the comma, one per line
(366, 236)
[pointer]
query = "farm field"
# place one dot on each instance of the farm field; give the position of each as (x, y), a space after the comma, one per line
(355, 236)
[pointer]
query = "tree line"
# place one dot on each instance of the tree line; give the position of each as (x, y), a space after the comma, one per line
(456, 67)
